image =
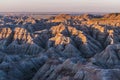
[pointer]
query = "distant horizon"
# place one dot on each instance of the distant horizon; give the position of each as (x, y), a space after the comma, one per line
(84, 6)
(59, 12)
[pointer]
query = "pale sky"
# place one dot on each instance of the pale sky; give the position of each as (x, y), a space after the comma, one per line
(60, 5)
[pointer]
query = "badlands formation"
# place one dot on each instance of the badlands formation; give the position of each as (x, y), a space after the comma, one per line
(61, 47)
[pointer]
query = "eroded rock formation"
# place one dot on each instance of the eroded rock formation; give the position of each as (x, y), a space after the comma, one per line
(62, 47)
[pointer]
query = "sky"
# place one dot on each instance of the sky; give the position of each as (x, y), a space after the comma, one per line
(59, 5)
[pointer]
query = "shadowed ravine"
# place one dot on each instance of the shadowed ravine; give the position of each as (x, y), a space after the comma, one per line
(62, 47)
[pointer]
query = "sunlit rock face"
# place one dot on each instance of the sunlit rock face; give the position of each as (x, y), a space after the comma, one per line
(61, 47)
(5, 32)
(18, 41)
(62, 18)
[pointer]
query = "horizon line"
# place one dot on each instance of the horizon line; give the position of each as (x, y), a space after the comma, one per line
(54, 12)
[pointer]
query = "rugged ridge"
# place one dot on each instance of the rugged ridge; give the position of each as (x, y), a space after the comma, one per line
(61, 47)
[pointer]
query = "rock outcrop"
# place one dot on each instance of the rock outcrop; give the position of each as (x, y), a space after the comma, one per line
(110, 57)
(62, 47)
(78, 71)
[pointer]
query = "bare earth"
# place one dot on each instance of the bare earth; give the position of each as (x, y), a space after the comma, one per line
(60, 47)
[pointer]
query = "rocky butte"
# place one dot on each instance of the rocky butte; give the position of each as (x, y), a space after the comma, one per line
(61, 47)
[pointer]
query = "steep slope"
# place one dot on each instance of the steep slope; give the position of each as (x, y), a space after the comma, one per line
(62, 47)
